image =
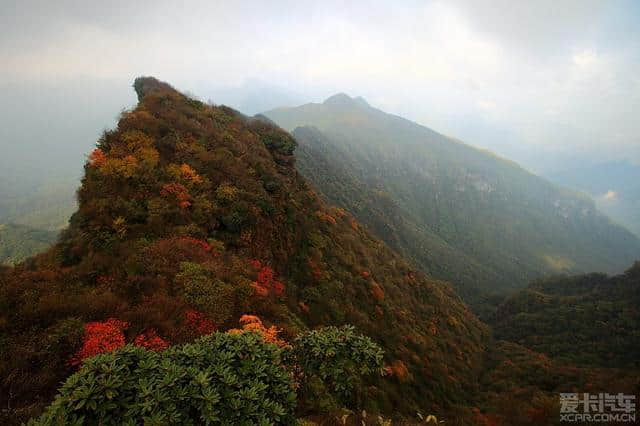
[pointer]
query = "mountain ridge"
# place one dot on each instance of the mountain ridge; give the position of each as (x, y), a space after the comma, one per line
(459, 194)
(186, 206)
(192, 217)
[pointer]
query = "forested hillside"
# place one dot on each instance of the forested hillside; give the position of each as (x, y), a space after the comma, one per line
(460, 213)
(202, 279)
(587, 320)
(395, 225)
(190, 218)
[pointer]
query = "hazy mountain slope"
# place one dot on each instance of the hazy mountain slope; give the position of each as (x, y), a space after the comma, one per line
(45, 204)
(596, 314)
(335, 176)
(614, 185)
(34, 211)
(516, 225)
(17, 242)
(47, 127)
(180, 181)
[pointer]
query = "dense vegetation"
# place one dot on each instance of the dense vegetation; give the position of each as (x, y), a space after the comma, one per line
(190, 217)
(589, 320)
(201, 279)
(393, 224)
(521, 387)
(460, 213)
(239, 377)
(204, 382)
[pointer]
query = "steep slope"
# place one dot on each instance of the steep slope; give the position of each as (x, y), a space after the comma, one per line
(190, 212)
(395, 225)
(465, 214)
(595, 313)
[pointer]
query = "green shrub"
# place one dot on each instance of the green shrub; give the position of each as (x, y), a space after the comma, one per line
(211, 296)
(275, 139)
(221, 378)
(65, 336)
(233, 221)
(338, 356)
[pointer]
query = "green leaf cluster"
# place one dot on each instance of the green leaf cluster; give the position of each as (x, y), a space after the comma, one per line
(338, 356)
(215, 297)
(220, 379)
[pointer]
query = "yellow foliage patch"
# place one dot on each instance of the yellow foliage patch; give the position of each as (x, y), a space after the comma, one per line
(253, 323)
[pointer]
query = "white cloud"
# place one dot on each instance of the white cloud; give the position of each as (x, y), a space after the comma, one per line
(585, 58)
(486, 104)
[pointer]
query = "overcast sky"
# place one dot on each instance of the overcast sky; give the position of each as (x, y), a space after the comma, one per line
(529, 79)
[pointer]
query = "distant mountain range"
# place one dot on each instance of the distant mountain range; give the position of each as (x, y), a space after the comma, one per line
(462, 214)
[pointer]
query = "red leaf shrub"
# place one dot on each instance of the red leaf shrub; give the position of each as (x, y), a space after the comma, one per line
(377, 291)
(196, 242)
(260, 290)
(99, 338)
(199, 323)
(265, 276)
(179, 191)
(278, 288)
(265, 281)
(97, 158)
(150, 340)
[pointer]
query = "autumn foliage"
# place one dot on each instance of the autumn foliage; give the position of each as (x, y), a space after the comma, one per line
(97, 158)
(151, 341)
(106, 336)
(190, 174)
(99, 338)
(179, 192)
(252, 323)
(195, 242)
(190, 215)
(265, 282)
(198, 323)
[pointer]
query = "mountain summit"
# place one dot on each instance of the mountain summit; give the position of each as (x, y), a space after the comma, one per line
(344, 100)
